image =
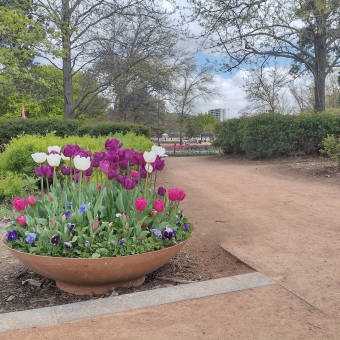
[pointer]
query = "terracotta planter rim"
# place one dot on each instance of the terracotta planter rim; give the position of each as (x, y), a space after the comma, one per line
(3, 239)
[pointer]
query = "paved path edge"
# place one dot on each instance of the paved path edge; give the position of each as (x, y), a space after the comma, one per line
(123, 303)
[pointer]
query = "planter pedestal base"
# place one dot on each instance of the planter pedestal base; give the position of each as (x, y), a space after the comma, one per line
(79, 289)
(87, 276)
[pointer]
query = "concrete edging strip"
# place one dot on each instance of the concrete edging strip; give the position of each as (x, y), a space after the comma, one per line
(123, 303)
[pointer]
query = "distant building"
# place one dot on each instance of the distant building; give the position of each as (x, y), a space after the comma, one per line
(219, 114)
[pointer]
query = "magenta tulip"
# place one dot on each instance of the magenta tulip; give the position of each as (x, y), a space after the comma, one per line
(141, 203)
(158, 205)
(19, 204)
(31, 200)
(21, 220)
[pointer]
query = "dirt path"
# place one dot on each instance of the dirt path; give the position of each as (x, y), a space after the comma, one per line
(282, 223)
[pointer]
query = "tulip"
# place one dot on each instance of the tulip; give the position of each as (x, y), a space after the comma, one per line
(112, 174)
(176, 195)
(113, 144)
(55, 148)
(31, 200)
(82, 163)
(88, 172)
(65, 170)
(159, 151)
(99, 187)
(39, 157)
(134, 173)
(53, 159)
(161, 191)
(64, 158)
(148, 168)
(21, 220)
(158, 205)
(141, 203)
(95, 224)
(19, 204)
(149, 157)
(104, 166)
(128, 183)
(123, 164)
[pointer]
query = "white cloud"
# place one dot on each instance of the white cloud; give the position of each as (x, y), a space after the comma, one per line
(234, 95)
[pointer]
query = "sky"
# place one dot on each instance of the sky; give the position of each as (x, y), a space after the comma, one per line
(230, 83)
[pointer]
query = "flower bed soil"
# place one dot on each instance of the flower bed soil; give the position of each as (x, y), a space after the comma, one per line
(202, 259)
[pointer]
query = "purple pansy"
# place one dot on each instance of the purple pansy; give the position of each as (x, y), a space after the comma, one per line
(12, 235)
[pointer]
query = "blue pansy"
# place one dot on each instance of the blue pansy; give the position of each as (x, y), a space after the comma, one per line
(30, 238)
(82, 208)
(156, 232)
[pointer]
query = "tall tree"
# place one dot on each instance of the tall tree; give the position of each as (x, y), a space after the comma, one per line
(19, 33)
(305, 31)
(191, 84)
(265, 89)
(75, 29)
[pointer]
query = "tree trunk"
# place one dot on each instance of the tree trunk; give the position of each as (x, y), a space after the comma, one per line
(320, 66)
(68, 91)
(67, 63)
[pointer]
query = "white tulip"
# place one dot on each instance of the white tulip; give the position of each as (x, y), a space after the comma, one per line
(64, 158)
(82, 163)
(39, 157)
(53, 159)
(149, 157)
(159, 151)
(148, 168)
(54, 148)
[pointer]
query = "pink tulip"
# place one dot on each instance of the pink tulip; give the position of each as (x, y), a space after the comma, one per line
(21, 220)
(176, 195)
(19, 204)
(95, 224)
(52, 222)
(31, 200)
(99, 187)
(141, 203)
(134, 173)
(158, 205)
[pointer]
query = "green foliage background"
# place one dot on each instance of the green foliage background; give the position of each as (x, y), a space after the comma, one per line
(272, 135)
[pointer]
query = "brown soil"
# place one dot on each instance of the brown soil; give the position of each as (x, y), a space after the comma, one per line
(202, 258)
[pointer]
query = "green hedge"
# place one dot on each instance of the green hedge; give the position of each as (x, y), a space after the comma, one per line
(272, 135)
(107, 128)
(11, 128)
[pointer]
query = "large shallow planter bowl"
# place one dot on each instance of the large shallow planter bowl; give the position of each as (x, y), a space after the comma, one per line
(87, 276)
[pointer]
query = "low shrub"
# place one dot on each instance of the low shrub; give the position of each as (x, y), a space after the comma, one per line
(17, 156)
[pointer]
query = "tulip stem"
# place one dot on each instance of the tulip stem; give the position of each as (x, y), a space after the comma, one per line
(42, 186)
(54, 177)
(146, 180)
(154, 183)
(79, 185)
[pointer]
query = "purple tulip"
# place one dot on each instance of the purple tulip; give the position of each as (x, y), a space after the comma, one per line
(128, 154)
(158, 164)
(112, 156)
(120, 178)
(112, 174)
(104, 165)
(88, 172)
(65, 170)
(113, 144)
(47, 171)
(123, 164)
(70, 150)
(161, 191)
(142, 173)
(38, 171)
(129, 184)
